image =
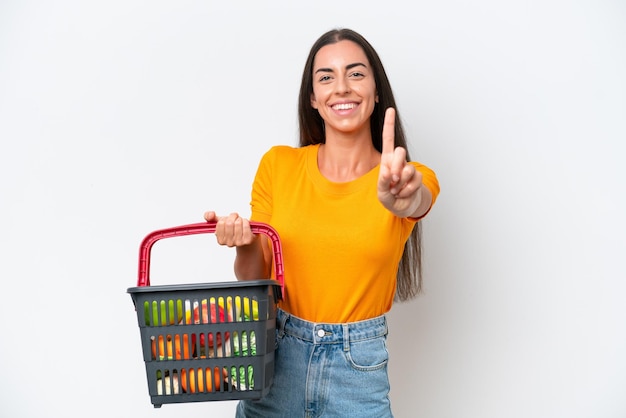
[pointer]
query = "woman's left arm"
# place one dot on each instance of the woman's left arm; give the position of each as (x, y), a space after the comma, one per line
(400, 186)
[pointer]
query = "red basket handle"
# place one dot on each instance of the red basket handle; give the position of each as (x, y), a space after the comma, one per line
(203, 228)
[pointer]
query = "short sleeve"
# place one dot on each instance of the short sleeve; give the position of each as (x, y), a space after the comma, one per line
(429, 179)
(262, 202)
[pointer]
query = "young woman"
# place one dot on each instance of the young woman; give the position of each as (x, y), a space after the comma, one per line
(347, 205)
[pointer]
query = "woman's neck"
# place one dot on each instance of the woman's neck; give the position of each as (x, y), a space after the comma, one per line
(343, 160)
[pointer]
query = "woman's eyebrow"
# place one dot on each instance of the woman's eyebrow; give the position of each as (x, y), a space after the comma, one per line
(356, 64)
(348, 67)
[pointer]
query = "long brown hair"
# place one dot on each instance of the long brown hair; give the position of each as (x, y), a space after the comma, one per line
(409, 278)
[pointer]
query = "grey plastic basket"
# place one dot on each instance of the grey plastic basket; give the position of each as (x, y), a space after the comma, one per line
(207, 341)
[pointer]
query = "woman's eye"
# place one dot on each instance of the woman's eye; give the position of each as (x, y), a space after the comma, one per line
(324, 78)
(356, 74)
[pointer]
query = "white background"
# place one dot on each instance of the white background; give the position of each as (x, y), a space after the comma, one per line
(118, 118)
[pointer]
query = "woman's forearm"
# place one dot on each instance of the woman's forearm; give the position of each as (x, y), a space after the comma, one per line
(253, 261)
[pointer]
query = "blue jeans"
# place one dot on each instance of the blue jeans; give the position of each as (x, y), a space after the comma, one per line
(326, 370)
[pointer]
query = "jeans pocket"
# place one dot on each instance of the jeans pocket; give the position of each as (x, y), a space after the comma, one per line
(369, 354)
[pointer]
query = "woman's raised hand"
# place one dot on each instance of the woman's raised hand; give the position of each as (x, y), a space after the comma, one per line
(231, 230)
(398, 181)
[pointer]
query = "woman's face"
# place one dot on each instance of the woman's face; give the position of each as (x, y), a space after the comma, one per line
(344, 89)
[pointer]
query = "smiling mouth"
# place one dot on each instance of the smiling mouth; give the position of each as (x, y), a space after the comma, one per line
(344, 106)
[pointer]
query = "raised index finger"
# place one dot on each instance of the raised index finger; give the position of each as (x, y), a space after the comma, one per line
(389, 126)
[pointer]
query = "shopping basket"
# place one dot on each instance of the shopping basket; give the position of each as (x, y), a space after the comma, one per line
(207, 341)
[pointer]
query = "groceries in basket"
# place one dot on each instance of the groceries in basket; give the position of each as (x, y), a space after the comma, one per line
(168, 347)
(208, 312)
(243, 379)
(168, 385)
(211, 345)
(213, 379)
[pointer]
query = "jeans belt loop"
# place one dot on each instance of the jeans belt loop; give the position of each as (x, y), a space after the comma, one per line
(281, 325)
(346, 337)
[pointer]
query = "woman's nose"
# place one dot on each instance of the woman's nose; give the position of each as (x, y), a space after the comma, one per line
(342, 86)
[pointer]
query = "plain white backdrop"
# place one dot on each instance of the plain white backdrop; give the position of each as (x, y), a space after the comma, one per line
(118, 118)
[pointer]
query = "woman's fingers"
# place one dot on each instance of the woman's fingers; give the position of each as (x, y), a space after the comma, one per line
(410, 181)
(247, 236)
(389, 132)
(210, 216)
(232, 230)
(392, 159)
(226, 231)
(397, 164)
(220, 231)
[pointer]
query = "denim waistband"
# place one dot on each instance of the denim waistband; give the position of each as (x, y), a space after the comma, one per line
(323, 333)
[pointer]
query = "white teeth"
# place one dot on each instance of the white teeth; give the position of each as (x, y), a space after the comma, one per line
(344, 106)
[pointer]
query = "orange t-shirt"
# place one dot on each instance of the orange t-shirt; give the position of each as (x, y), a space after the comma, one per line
(341, 247)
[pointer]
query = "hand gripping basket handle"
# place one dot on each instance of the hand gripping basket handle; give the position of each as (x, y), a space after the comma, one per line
(204, 228)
